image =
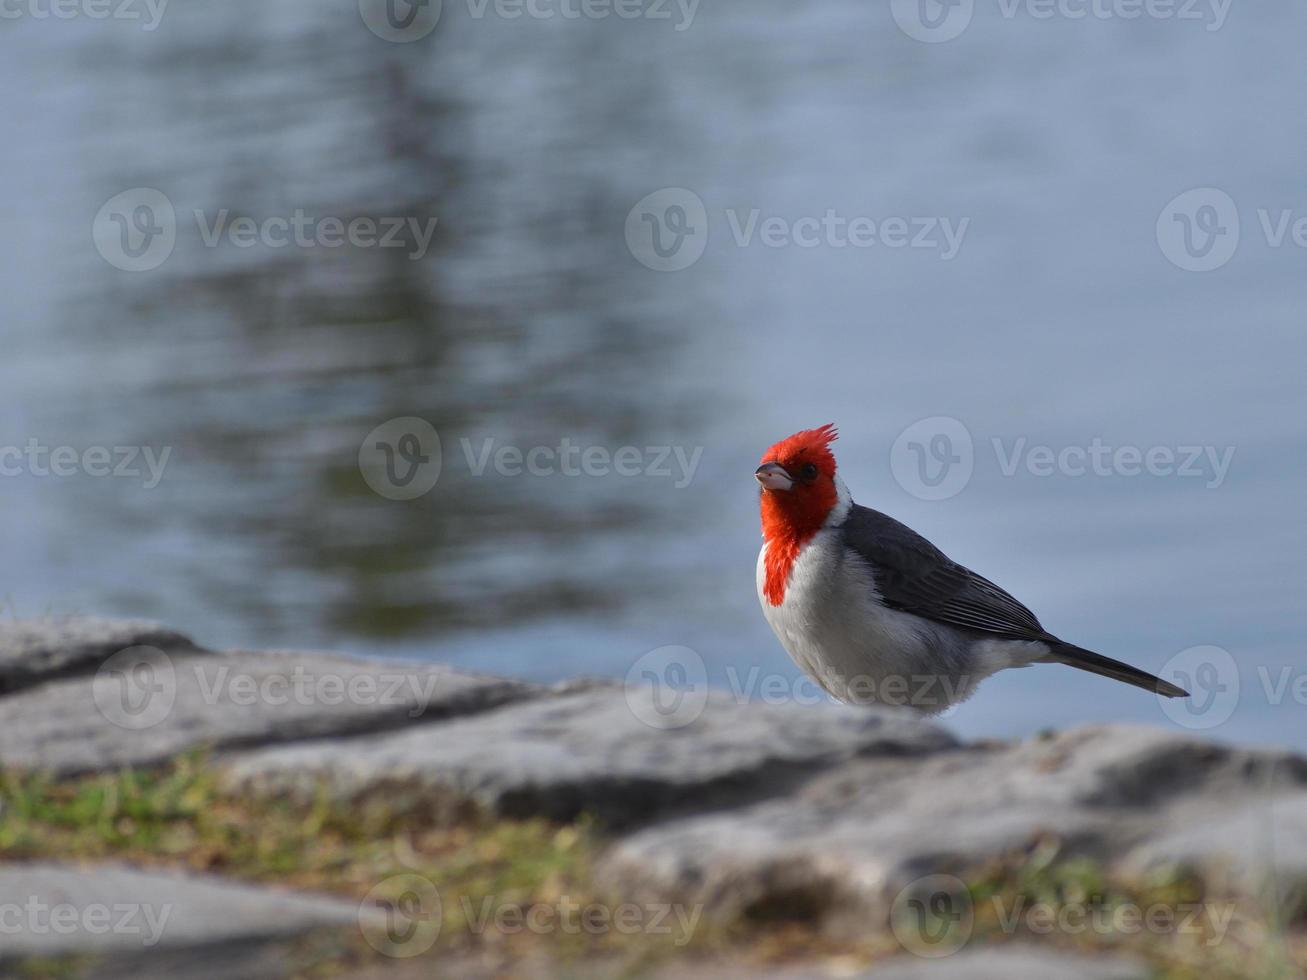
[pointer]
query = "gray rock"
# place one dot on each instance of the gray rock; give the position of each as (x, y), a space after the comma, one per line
(591, 751)
(1263, 836)
(53, 910)
(1011, 963)
(144, 709)
(846, 842)
(34, 649)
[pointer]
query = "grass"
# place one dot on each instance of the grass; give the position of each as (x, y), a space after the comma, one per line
(505, 887)
(179, 817)
(1167, 917)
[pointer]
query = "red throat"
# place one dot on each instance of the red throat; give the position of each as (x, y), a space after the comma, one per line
(791, 518)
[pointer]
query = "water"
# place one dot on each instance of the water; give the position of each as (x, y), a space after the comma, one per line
(1058, 321)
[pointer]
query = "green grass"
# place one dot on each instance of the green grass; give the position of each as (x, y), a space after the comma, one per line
(1167, 917)
(178, 816)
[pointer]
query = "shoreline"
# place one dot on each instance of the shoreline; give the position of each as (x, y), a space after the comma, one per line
(790, 836)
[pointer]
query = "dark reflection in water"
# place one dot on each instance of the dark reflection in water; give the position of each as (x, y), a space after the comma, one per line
(264, 368)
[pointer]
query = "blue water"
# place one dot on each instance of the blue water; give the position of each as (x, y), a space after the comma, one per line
(1059, 321)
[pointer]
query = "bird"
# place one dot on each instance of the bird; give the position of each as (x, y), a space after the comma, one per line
(875, 613)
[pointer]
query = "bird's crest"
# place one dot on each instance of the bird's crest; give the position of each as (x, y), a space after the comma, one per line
(810, 443)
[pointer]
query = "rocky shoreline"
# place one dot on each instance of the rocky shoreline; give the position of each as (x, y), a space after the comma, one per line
(747, 811)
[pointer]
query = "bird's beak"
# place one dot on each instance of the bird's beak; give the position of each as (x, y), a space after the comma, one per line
(772, 476)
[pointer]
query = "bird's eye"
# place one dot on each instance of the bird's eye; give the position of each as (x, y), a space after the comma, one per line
(809, 471)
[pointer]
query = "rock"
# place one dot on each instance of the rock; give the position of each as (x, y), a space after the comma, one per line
(1263, 837)
(845, 843)
(56, 910)
(1012, 962)
(34, 649)
(155, 705)
(590, 751)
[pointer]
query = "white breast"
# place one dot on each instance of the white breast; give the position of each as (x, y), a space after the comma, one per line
(834, 626)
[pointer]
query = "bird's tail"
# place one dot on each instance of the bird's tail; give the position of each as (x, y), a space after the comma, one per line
(1096, 663)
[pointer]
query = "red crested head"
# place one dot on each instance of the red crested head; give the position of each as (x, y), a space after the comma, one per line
(797, 477)
(811, 447)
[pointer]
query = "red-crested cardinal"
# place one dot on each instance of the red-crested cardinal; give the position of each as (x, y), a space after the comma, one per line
(874, 612)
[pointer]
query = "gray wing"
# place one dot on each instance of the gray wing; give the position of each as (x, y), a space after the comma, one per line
(914, 576)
